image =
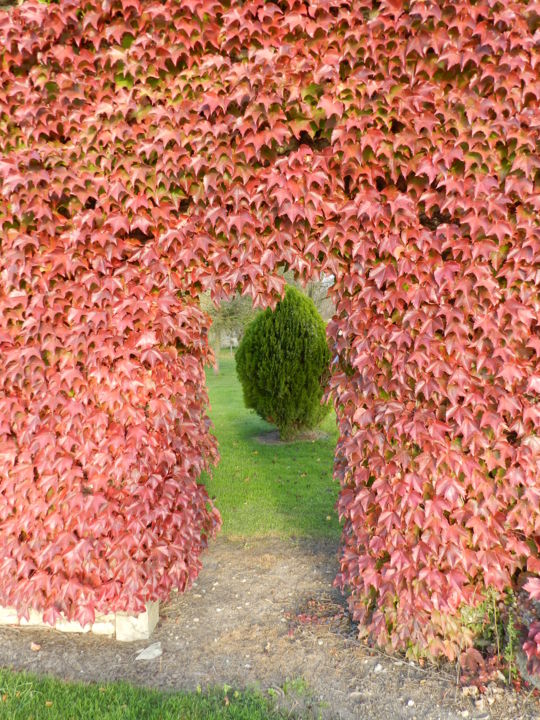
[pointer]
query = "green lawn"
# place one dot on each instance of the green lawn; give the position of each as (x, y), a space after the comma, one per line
(26, 697)
(282, 490)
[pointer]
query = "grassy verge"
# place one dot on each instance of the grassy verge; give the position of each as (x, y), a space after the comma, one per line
(280, 490)
(27, 697)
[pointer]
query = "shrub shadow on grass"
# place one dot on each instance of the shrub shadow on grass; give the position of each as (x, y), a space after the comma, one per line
(272, 437)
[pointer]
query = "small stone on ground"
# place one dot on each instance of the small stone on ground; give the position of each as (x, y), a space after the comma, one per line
(151, 652)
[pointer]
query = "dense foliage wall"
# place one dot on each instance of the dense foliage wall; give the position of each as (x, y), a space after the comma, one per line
(153, 149)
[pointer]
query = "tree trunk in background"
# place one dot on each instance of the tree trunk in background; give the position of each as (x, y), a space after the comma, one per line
(217, 349)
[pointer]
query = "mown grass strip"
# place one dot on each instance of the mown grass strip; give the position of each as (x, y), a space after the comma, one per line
(282, 490)
(28, 697)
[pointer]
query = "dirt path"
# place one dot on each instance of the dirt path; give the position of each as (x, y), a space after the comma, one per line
(239, 625)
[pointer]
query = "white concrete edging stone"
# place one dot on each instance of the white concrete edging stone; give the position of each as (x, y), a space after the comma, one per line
(122, 625)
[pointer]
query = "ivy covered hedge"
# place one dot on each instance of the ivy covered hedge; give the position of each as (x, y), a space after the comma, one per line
(151, 150)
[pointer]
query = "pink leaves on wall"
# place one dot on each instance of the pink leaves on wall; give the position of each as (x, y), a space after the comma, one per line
(154, 149)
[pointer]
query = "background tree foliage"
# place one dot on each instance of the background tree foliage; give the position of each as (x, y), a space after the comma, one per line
(317, 289)
(229, 320)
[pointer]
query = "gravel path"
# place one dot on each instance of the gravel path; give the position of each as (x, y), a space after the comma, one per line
(248, 622)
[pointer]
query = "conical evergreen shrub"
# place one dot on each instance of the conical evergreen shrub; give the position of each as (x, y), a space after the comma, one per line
(283, 365)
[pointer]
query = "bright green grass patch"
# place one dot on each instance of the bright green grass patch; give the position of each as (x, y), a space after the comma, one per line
(281, 490)
(27, 697)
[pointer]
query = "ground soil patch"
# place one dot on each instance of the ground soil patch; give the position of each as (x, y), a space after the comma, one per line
(244, 624)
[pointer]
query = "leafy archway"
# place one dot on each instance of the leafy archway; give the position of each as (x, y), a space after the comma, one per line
(154, 149)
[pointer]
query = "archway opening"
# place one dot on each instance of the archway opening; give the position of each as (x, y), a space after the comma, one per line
(263, 486)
